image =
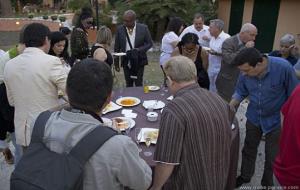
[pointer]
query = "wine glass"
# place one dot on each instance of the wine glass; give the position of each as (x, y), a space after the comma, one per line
(138, 137)
(148, 140)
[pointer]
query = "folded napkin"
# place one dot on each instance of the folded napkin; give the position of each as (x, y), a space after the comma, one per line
(170, 98)
(129, 113)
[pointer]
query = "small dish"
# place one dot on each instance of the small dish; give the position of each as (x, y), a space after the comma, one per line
(153, 88)
(122, 123)
(154, 104)
(148, 131)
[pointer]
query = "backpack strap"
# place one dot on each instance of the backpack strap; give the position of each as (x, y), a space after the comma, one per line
(39, 126)
(90, 143)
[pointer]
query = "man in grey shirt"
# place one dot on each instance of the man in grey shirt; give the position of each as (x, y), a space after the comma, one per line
(116, 164)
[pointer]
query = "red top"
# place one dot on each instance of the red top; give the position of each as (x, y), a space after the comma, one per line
(287, 162)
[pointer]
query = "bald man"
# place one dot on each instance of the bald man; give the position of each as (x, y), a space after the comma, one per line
(227, 77)
(134, 39)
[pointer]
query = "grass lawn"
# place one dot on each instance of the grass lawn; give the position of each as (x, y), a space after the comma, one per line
(153, 73)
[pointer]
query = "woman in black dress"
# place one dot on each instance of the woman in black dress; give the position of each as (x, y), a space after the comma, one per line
(189, 47)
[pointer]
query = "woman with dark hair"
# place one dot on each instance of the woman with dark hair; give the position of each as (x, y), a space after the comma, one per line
(190, 48)
(79, 36)
(59, 47)
(170, 40)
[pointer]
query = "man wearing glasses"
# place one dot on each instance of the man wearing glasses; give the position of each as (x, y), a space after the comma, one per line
(287, 48)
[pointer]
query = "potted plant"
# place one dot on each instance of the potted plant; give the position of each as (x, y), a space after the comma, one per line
(45, 17)
(62, 18)
(53, 17)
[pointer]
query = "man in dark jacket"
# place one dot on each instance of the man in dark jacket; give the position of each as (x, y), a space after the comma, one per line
(134, 39)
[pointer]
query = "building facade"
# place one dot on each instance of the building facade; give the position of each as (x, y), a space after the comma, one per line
(273, 18)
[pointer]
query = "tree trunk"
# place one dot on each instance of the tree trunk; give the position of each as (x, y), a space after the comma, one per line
(6, 9)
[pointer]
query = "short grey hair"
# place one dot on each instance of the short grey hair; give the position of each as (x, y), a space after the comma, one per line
(104, 35)
(181, 69)
(248, 27)
(218, 23)
(287, 39)
(130, 12)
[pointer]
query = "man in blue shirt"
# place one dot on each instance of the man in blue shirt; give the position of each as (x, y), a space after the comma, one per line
(267, 82)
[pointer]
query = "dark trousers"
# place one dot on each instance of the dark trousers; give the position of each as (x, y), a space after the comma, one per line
(6, 114)
(129, 80)
(165, 76)
(249, 153)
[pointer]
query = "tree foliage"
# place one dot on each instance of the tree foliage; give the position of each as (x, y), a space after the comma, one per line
(156, 13)
(78, 4)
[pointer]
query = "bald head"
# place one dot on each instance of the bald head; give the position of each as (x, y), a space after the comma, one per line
(129, 17)
(248, 33)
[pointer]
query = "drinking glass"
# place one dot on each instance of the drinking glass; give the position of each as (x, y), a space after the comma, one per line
(138, 137)
(148, 140)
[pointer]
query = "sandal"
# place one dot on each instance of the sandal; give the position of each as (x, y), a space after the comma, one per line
(9, 158)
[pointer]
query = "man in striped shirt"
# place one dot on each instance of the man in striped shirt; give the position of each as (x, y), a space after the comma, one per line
(193, 147)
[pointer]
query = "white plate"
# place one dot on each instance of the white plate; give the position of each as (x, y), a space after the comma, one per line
(121, 103)
(111, 107)
(119, 54)
(131, 122)
(144, 131)
(153, 88)
(154, 104)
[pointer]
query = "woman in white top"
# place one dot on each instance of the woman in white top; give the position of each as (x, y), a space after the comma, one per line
(170, 40)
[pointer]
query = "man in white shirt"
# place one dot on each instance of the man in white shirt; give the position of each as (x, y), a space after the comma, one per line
(32, 80)
(198, 28)
(215, 53)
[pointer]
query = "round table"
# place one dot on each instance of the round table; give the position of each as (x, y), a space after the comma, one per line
(142, 122)
(141, 119)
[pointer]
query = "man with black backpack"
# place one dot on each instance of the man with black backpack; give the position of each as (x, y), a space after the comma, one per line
(71, 149)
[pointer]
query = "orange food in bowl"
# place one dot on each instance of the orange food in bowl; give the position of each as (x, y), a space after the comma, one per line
(128, 102)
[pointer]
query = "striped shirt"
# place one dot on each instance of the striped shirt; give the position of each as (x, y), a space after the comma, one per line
(195, 136)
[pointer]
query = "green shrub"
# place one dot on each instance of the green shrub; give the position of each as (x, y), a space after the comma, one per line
(45, 17)
(30, 15)
(62, 18)
(53, 17)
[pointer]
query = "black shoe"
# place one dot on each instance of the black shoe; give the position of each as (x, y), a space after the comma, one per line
(240, 181)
